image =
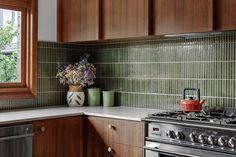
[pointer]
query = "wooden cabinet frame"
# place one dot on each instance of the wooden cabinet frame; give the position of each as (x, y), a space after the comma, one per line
(27, 88)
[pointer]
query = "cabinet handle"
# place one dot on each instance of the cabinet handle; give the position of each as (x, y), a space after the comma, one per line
(109, 149)
(111, 127)
(42, 129)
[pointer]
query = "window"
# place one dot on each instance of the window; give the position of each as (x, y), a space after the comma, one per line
(10, 46)
(18, 40)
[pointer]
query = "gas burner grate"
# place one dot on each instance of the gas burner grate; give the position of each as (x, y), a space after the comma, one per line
(168, 115)
(212, 116)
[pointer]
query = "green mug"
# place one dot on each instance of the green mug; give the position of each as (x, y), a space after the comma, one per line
(108, 98)
(94, 96)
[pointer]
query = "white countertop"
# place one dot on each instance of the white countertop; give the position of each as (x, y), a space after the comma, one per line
(126, 113)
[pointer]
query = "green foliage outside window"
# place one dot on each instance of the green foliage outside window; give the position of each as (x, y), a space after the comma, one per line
(8, 62)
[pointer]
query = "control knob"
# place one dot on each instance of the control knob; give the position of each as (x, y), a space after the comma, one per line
(211, 140)
(170, 134)
(201, 138)
(232, 142)
(179, 135)
(192, 137)
(222, 141)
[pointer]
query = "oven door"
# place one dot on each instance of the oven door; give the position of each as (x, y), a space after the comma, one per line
(152, 153)
(156, 149)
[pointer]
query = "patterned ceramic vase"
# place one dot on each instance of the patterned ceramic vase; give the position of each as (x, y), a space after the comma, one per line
(75, 95)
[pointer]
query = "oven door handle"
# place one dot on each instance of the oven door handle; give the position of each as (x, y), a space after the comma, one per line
(156, 149)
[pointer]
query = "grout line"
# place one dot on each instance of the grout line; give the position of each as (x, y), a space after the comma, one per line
(174, 62)
(47, 77)
(170, 62)
(141, 93)
(145, 45)
(45, 92)
(153, 78)
(176, 95)
(46, 62)
(145, 78)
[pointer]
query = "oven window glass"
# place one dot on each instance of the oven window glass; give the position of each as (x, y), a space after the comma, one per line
(170, 155)
(150, 153)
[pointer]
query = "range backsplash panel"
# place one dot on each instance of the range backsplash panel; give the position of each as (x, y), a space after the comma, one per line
(153, 73)
(50, 92)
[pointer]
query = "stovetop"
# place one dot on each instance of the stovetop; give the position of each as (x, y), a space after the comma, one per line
(219, 116)
(211, 129)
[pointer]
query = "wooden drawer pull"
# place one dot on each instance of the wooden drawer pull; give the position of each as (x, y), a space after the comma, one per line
(109, 149)
(42, 129)
(111, 127)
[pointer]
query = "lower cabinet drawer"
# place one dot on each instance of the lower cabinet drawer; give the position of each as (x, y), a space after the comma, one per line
(120, 150)
(113, 138)
(126, 132)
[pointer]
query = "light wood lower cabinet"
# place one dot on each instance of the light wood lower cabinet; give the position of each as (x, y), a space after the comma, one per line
(113, 138)
(58, 137)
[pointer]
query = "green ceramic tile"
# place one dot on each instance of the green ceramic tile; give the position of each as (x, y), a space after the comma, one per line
(206, 61)
(146, 73)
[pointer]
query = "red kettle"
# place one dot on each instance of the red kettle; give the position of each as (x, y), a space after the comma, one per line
(191, 104)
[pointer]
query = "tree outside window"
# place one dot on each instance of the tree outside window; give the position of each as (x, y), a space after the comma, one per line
(9, 46)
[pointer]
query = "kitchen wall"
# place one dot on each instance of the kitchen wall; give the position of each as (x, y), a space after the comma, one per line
(50, 92)
(152, 74)
(47, 20)
(148, 73)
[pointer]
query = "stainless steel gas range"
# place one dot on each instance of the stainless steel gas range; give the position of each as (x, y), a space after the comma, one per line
(210, 133)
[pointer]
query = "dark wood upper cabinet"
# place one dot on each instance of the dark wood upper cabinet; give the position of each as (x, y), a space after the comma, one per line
(124, 18)
(78, 20)
(181, 16)
(86, 20)
(225, 14)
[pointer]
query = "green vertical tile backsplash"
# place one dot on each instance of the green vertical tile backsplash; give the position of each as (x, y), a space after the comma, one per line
(146, 73)
(153, 73)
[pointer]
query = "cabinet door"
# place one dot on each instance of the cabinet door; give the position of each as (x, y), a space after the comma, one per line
(225, 14)
(181, 16)
(78, 20)
(124, 18)
(126, 132)
(96, 138)
(70, 132)
(119, 150)
(58, 138)
(45, 143)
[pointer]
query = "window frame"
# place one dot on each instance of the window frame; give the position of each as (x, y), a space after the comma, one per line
(27, 87)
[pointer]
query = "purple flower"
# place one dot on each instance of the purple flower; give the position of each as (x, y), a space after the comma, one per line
(77, 74)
